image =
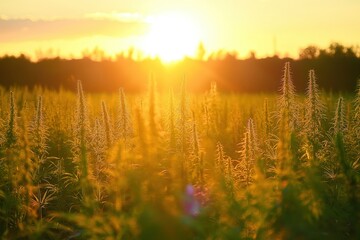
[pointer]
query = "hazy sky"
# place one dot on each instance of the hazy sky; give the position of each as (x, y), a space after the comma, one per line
(70, 26)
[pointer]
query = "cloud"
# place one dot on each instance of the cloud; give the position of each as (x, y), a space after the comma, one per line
(99, 24)
(122, 16)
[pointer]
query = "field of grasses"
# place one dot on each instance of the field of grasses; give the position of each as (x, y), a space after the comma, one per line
(176, 165)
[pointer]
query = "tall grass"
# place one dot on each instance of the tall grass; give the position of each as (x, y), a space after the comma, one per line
(315, 113)
(179, 165)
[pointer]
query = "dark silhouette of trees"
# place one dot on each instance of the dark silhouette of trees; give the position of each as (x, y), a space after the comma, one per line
(339, 51)
(335, 50)
(310, 52)
(337, 68)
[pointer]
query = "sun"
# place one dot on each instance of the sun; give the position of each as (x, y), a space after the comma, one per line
(171, 37)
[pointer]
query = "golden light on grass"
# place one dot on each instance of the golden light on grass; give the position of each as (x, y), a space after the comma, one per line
(171, 37)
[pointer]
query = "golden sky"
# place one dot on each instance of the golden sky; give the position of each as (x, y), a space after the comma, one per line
(172, 28)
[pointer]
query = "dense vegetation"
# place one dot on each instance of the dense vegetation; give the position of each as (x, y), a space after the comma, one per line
(180, 166)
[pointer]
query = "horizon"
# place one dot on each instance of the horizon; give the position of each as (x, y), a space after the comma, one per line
(98, 54)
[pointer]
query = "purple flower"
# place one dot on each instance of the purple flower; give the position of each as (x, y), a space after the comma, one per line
(191, 204)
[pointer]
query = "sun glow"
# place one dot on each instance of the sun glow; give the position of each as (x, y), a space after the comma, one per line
(172, 37)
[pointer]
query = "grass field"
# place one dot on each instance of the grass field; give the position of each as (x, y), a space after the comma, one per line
(176, 165)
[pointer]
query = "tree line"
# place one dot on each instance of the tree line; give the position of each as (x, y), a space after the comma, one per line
(337, 67)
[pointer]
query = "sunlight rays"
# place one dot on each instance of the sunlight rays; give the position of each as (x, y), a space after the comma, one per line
(171, 37)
